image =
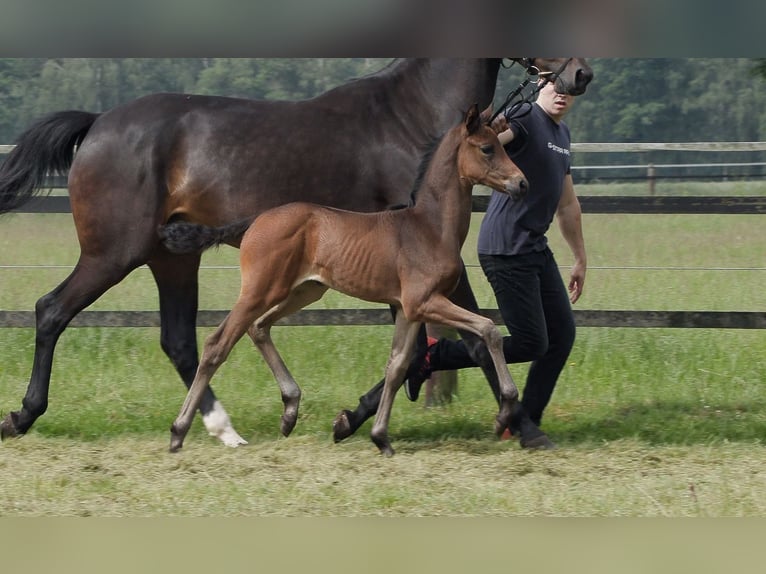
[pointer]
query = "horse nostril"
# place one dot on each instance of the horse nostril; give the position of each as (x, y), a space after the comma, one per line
(583, 76)
(519, 190)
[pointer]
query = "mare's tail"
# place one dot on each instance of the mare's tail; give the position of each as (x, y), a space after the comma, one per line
(184, 237)
(46, 147)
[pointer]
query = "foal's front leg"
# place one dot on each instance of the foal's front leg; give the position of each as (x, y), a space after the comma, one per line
(442, 310)
(402, 349)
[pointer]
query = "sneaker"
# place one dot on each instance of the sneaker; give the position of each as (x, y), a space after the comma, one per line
(413, 383)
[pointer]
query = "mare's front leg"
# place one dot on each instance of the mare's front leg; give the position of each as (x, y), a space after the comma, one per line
(464, 297)
(177, 281)
(531, 435)
(402, 350)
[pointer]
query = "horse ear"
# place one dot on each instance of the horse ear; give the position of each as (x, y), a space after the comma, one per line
(472, 119)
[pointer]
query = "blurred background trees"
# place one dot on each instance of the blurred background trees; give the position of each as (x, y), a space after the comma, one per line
(631, 100)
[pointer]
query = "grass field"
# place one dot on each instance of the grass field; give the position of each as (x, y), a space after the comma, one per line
(650, 422)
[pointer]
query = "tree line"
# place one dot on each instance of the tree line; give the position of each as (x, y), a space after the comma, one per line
(630, 100)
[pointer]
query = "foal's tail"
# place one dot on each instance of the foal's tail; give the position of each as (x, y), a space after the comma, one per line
(184, 237)
(46, 147)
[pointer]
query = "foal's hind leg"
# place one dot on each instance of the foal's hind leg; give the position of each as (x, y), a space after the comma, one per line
(90, 278)
(291, 392)
(260, 333)
(177, 281)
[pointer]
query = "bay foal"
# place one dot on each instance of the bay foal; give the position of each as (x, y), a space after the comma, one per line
(408, 258)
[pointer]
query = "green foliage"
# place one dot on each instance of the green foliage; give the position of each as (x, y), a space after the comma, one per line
(631, 99)
(30, 88)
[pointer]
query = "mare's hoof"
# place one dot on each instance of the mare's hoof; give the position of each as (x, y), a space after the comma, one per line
(229, 437)
(8, 427)
(341, 426)
(539, 442)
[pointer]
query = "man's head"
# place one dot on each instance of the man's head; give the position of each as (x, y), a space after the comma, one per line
(554, 104)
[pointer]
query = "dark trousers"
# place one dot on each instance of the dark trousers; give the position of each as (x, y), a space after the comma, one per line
(534, 304)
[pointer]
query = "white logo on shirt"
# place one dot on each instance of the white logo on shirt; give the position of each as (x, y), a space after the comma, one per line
(558, 149)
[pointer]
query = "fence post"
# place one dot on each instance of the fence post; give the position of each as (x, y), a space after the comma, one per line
(650, 173)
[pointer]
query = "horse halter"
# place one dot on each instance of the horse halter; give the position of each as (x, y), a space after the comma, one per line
(509, 107)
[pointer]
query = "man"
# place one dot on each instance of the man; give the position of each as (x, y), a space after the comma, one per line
(515, 257)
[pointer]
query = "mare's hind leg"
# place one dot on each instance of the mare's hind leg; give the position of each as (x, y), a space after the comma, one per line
(90, 278)
(402, 349)
(216, 350)
(177, 281)
(260, 333)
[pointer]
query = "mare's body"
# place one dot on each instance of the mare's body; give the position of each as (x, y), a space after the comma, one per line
(215, 160)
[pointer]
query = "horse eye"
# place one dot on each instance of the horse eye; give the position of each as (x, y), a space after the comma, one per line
(488, 149)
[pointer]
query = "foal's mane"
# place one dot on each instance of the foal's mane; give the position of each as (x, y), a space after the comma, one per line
(427, 159)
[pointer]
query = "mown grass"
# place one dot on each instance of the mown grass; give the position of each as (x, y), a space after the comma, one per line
(650, 422)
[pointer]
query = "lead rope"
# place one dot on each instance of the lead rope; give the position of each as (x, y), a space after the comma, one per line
(510, 108)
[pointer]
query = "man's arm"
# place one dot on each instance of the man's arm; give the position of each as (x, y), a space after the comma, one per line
(569, 216)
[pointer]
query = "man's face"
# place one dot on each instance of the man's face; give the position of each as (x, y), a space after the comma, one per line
(554, 104)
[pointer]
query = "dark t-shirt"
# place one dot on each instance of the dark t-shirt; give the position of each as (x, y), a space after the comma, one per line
(540, 148)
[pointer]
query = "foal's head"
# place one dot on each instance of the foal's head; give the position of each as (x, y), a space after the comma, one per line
(482, 159)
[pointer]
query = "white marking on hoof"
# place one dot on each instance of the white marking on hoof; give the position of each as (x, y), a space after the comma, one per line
(229, 437)
(218, 424)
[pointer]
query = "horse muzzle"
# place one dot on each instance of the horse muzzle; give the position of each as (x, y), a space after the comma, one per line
(517, 188)
(582, 77)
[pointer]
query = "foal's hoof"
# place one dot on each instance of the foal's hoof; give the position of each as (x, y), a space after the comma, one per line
(384, 446)
(341, 426)
(387, 450)
(8, 427)
(287, 425)
(176, 439)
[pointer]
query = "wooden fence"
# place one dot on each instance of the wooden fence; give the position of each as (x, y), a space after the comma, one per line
(584, 318)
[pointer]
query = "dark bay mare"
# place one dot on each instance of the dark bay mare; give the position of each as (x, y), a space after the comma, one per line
(408, 258)
(216, 160)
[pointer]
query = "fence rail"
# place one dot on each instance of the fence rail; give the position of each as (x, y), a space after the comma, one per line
(369, 317)
(584, 318)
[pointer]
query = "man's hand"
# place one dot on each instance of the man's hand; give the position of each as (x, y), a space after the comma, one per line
(499, 124)
(576, 282)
